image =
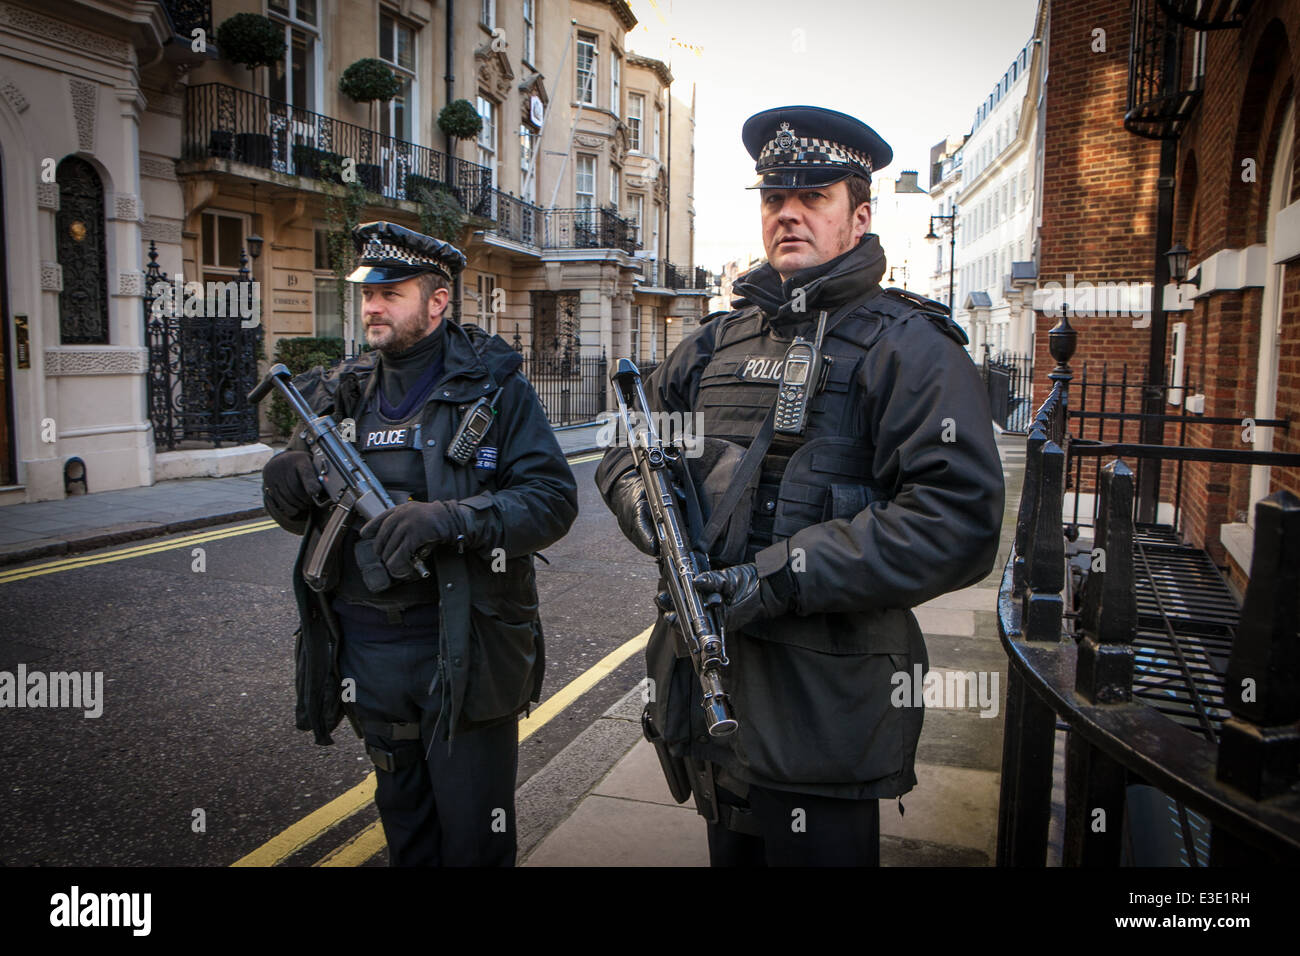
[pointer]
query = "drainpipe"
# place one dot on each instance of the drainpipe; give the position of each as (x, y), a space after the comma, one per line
(450, 77)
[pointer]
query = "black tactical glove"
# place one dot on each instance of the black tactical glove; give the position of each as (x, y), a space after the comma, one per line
(628, 502)
(289, 483)
(413, 527)
(746, 596)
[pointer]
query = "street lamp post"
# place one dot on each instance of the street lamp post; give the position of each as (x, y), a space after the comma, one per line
(951, 219)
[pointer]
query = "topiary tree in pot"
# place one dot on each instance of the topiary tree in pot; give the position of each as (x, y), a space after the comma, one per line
(372, 81)
(460, 120)
(251, 40)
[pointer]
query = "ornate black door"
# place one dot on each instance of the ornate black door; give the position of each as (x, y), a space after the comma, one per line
(80, 240)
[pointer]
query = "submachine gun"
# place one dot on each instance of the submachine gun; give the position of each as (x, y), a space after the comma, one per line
(349, 484)
(698, 619)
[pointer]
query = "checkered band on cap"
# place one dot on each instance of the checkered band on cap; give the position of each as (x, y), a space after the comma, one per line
(787, 149)
(377, 252)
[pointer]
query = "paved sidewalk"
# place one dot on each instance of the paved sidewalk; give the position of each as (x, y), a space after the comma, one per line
(602, 801)
(44, 529)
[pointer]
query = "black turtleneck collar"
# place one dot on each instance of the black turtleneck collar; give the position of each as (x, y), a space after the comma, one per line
(849, 276)
(399, 371)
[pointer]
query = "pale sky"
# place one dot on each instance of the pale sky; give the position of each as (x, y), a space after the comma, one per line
(913, 71)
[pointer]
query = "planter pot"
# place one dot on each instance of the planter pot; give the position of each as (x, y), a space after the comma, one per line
(371, 176)
(309, 161)
(415, 184)
(254, 149)
(221, 143)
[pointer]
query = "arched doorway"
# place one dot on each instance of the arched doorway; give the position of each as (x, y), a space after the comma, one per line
(1270, 313)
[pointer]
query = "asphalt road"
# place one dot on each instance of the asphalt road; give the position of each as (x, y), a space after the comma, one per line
(197, 722)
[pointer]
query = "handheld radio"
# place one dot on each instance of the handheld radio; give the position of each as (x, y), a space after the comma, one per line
(472, 429)
(801, 378)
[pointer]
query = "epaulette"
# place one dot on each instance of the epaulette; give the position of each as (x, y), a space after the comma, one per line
(933, 310)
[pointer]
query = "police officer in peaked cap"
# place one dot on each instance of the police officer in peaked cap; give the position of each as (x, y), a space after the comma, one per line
(434, 671)
(875, 486)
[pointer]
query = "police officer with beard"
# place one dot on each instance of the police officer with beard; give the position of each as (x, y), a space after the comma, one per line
(431, 671)
(845, 484)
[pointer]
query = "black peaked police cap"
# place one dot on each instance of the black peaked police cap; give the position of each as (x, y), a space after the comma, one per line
(799, 147)
(388, 252)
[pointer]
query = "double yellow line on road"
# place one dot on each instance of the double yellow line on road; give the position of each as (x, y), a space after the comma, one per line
(369, 841)
(171, 544)
(123, 554)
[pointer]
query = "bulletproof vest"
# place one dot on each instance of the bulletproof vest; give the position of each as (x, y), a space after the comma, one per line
(392, 450)
(824, 473)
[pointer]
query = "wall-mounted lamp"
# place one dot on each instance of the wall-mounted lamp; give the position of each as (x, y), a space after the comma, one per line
(1177, 256)
(74, 473)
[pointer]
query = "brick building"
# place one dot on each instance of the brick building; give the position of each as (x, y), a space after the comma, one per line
(1234, 337)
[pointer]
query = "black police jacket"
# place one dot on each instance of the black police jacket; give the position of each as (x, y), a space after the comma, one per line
(894, 498)
(491, 643)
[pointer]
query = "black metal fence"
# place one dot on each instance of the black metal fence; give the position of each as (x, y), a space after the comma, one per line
(1009, 378)
(572, 387)
(1110, 409)
(1145, 662)
(228, 122)
(201, 369)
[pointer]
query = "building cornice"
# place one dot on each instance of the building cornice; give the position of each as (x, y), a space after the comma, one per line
(657, 67)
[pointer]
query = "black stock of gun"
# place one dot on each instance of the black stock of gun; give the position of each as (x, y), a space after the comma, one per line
(698, 620)
(349, 485)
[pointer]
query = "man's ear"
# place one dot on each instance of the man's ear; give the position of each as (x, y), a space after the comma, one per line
(861, 221)
(438, 303)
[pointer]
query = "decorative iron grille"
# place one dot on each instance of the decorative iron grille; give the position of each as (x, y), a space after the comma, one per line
(201, 370)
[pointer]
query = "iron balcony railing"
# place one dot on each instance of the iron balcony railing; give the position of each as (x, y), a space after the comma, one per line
(224, 121)
(1162, 90)
(1144, 661)
(662, 274)
(588, 228)
(189, 15)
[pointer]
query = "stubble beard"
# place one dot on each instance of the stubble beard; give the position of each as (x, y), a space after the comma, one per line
(405, 332)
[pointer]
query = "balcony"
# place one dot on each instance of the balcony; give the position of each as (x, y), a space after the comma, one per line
(523, 222)
(189, 15)
(224, 122)
(661, 274)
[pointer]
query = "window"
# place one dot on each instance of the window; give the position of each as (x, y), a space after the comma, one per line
(938, 266)
(530, 32)
(527, 150)
(654, 144)
(637, 202)
(635, 113)
(634, 323)
(328, 319)
(1013, 192)
(293, 79)
(487, 285)
(487, 137)
(488, 16)
(586, 68)
(585, 185)
(615, 69)
(614, 177)
(223, 240)
(397, 49)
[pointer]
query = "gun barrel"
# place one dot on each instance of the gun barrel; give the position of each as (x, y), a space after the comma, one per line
(677, 560)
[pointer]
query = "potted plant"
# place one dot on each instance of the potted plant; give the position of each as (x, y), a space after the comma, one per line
(250, 40)
(317, 163)
(370, 80)
(460, 120)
